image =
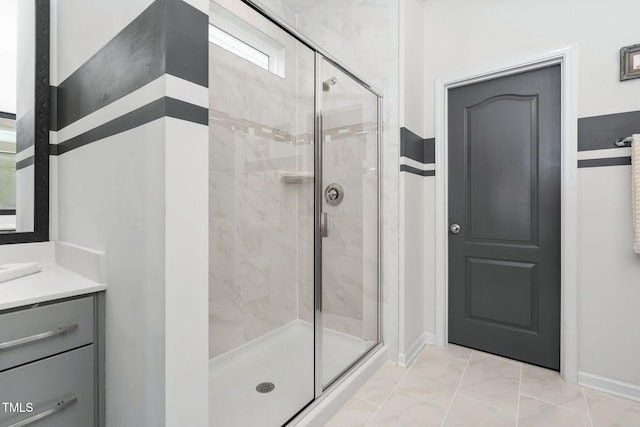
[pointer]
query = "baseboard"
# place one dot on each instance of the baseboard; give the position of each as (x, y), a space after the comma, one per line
(339, 394)
(619, 388)
(430, 338)
(405, 359)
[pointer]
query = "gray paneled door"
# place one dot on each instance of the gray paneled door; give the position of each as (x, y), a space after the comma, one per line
(504, 216)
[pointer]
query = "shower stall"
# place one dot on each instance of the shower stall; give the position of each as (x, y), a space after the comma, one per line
(294, 299)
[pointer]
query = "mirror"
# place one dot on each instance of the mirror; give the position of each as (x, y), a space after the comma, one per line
(24, 120)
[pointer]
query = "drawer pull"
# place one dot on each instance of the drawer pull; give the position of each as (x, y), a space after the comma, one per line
(60, 330)
(57, 407)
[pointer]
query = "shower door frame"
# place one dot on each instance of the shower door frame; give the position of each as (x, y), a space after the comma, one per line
(320, 388)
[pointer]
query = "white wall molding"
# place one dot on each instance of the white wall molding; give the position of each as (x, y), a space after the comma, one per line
(566, 57)
(430, 339)
(405, 358)
(165, 85)
(136, 99)
(618, 388)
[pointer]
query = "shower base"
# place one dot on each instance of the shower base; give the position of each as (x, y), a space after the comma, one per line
(285, 358)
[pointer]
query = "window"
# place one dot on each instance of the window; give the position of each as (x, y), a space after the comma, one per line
(235, 35)
(240, 48)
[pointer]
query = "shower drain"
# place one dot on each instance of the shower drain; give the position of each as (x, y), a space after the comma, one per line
(265, 387)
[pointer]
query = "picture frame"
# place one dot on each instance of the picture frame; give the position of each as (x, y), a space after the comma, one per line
(630, 62)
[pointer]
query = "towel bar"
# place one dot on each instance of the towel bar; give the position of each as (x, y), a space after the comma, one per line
(622, 142)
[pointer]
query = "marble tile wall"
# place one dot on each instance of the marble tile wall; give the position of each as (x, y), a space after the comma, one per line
(255, 258)
(362, 35)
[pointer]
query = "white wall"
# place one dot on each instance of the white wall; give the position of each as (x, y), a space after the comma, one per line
(140, 196)
(609, 277)
(186, 262)
(412, 201)
(412, 62)
(8, 79)
(112, 201)
(84, 26)
(466, 35)
(108, 200)
(8, 47)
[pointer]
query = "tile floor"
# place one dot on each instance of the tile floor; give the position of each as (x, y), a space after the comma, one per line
(455, 386)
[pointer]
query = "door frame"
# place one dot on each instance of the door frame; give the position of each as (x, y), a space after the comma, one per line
(566, 57)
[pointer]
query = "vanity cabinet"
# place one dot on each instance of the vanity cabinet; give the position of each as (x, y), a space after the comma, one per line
(51, 363)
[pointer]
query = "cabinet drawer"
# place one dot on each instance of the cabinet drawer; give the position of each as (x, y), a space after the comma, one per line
(34, 333)
(60, 389)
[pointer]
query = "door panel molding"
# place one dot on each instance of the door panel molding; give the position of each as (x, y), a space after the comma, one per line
(524, 317)
(569, 233)
(487, 155)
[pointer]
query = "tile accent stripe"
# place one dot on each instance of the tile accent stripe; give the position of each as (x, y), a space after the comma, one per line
(596, 136)
(238, 124)
(25, 135)
(416, 148)
(24, 163)
(187, 42)
(430, 150)
(185, 111)
(419, 151)
(28, 152)
(7, 211)
(410, 169)
(161, 107)
(411, 145)
(614, 161)
(599, 132)
(131, 59)
(130, 102)
(160, 40)
(53, 111)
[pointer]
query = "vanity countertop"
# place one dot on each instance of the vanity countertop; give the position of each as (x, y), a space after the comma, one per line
(53, 282)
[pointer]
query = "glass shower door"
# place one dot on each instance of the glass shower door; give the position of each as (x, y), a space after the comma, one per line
(348, 219)
(261, 284)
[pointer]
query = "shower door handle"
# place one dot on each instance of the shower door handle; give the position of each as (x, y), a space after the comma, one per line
(324, 224)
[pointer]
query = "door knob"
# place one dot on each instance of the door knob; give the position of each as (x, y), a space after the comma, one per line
(455, 228)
